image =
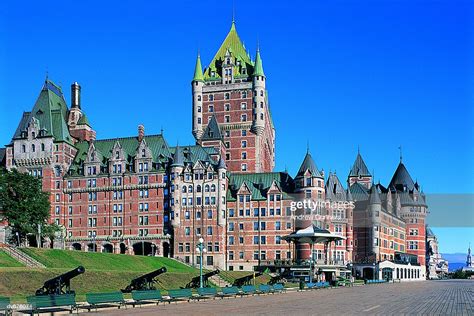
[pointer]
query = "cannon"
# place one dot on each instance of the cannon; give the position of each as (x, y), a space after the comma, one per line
(246, 279)
(195, 282)
(144, 282)
(60, 284)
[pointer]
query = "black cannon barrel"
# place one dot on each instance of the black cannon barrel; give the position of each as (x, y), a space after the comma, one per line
(56, 285)
(245, 279)
(144, 282)
(151, 275)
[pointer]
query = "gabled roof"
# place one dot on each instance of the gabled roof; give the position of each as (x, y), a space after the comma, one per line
(259, 183)
(221, 164)
(212, 132)
(401, 179)
(359, 168)
(308, 164)
(156, 143)
(233, 45)
(334, 188)
(51, 111)
(195, 153)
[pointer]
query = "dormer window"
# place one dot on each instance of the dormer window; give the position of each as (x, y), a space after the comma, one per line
(143, 152)
(33, 134)
(117, 154)
(228, 61)
(92, 157)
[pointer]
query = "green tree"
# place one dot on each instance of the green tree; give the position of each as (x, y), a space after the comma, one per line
(24, 204)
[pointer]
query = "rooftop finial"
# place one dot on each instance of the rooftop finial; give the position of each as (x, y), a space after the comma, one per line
(400, 148)
(233, 12)
(307, 146)
(358, 149)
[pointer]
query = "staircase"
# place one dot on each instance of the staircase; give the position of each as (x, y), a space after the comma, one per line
(219, 281)
(21, 256)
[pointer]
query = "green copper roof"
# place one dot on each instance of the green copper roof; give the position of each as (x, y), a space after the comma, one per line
(234, 45)
(156, 143)
(259, 183)
(198, 76)
(83, 120)
(178, 158)
(51, 112)
(191, 154)
(258, 68)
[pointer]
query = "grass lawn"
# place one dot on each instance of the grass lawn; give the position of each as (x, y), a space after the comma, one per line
(230, 276)
(7, 261)
(70, 259)
(18, 283)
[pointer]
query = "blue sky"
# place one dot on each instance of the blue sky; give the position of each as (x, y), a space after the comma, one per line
(340, 74)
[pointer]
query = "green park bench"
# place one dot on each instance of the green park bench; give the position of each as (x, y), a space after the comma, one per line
(206, 292)
(278, 288)
(106, 299)
(43, 303)
(264, 289)
(228, 291)
(146, 296)
(5, 305)
(180, 295)
(248, 290)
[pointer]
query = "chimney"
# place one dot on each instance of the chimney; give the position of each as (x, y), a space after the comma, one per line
(75, 95)
(141, 132)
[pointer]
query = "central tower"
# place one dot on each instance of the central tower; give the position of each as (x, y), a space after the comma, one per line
(232, 89)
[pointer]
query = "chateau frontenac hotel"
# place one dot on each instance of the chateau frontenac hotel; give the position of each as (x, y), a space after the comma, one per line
(139, 195)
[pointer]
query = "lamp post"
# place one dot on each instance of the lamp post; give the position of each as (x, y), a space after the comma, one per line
(200, 249)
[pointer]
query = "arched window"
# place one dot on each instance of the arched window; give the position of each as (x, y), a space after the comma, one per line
(213, 188)
(190, 189)
(117, 154)
(261, 93)
(184, 189)
(244, 94)
(23, 148)
(143, 152)
(206, 188)
(228, 61)
(42, 146)
(199, 97)
(198, 188)
(33, 147)
(199, 109)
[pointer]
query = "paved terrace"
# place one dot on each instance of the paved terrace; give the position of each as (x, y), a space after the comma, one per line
(450, 297)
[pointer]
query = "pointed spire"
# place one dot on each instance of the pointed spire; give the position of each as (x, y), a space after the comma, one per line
(374, 196)
(309, 164)
(258, 67)
(213, 131)
(178, 157)
(349, 194)
(359, 168)
(221, 164)
(198, 76)
(401, 157)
